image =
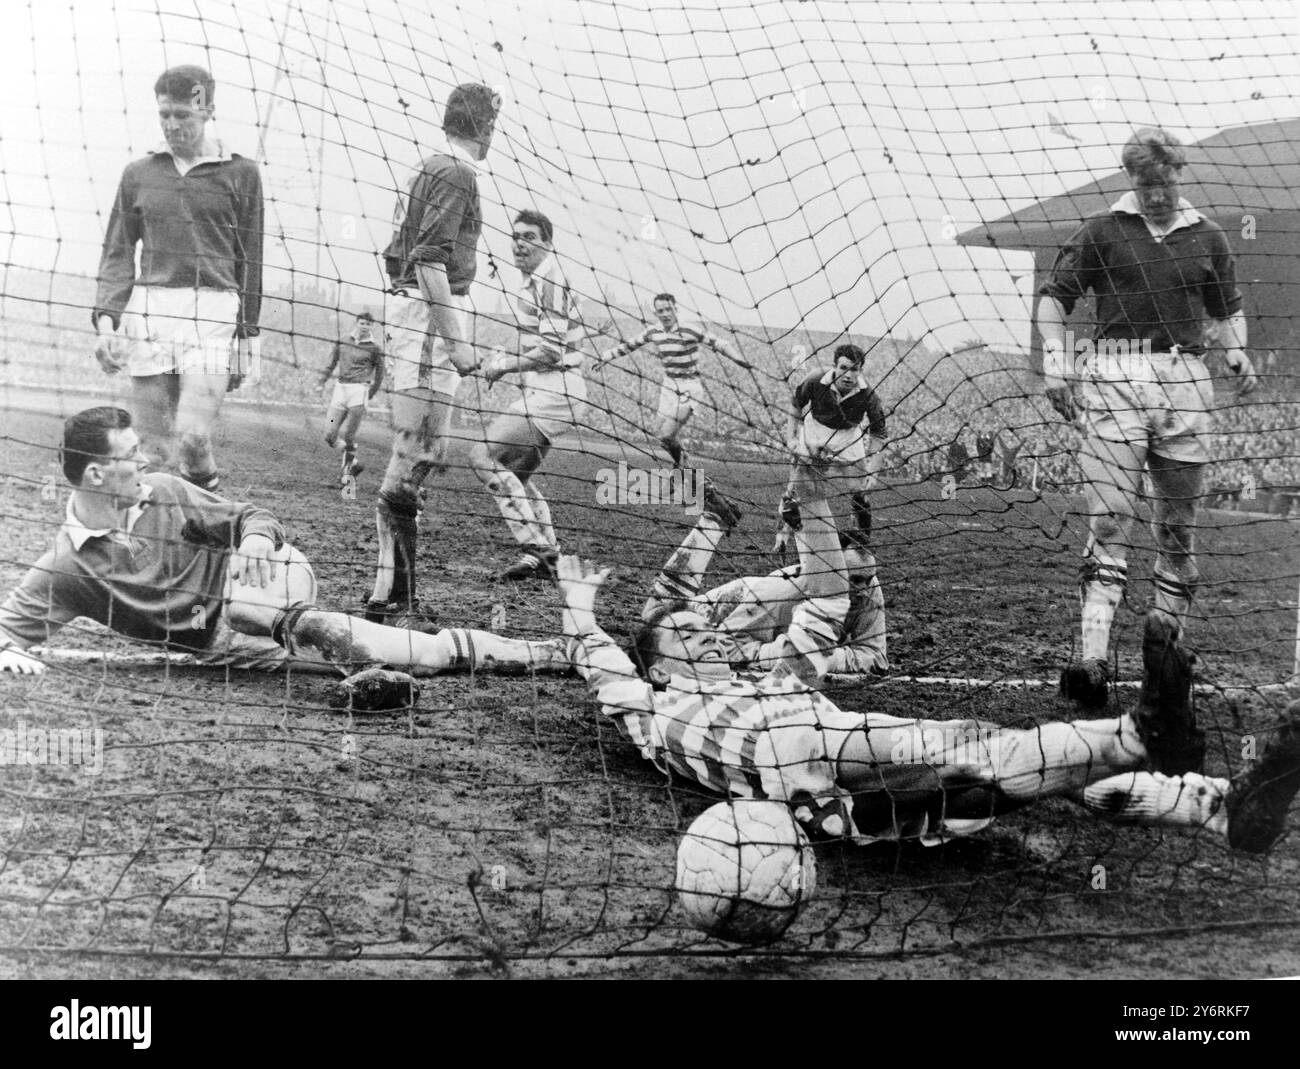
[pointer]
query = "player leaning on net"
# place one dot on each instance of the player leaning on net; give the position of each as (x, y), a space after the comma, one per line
(757, 611)
(870, 776)
(682, 390)
(1140, 392)
(360, 364)
(185, 326)
(157, 559)
(431, 263)
(552, 400)
(837, 437)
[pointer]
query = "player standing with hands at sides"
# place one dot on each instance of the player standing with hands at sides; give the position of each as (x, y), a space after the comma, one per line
(360, 364)
(553, 399)
(195, 211)
(837, 435)
(1141, 393)
(431, 263)
(682, 389)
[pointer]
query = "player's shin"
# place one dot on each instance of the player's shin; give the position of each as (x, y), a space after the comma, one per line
(516, 508)
(683, 574)
(353, 644)
(1103, 579)
(395, 522)
(1059, 757)
(541, 513)
(1187, 801)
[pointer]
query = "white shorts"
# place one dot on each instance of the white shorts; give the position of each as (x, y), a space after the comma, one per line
(553, 402)
(420, 359)
(678, 398)
(179, 331)
(1160, 402)
(350, 395)
(826, 445)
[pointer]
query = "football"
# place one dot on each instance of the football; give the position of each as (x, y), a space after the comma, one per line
(744, 871)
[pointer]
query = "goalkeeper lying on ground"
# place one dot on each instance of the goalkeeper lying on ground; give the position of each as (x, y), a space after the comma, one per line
(155, 558)
(875, 777)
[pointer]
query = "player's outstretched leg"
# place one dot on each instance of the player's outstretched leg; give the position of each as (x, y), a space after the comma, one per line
(1165, 718)
(1260, 796)
(353, 644)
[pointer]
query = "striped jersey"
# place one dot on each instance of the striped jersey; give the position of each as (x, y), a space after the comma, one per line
(676, 348)
(549, 317)
(749, 737)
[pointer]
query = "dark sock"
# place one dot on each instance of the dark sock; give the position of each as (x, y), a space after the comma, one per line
(862, 512)
(395, 521)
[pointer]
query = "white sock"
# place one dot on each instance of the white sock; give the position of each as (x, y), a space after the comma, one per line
(516, 508)
(542, 513)
(460, 647)
(1150, 798)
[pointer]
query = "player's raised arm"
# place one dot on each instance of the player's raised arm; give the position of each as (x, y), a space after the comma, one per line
(727, 349)
(631, 345)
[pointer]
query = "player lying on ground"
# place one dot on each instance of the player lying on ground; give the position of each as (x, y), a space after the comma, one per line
(156, 558)
(682, 391)
(1140, 391)
(837, 438)
(871, 777)
(185, 325)
(552, 402)
(756, 611)
(360, 364)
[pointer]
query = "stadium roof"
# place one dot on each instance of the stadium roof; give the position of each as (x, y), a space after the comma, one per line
(1240, 170)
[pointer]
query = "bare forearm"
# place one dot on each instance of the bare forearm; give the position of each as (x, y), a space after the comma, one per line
(1057, 365)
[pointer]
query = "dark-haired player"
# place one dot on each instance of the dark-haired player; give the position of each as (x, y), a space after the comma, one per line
(682, 391)
(185, 325)
(157, 559)
(431, 263)
(837, 436)
(552, 401)
(360, 364)
(1140, 391)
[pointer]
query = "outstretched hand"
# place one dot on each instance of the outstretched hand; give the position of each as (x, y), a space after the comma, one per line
(579, 580)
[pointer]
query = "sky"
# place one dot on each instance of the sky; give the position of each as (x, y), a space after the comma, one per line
(791, 163)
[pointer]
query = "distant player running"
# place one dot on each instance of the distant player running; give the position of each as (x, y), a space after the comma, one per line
(360, 364)
(553, 401)
(682, 389)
